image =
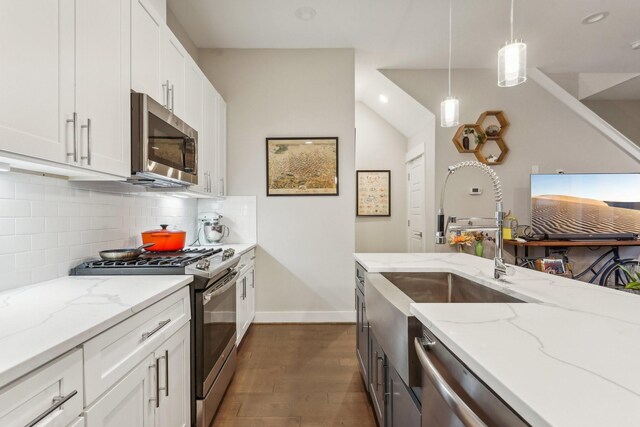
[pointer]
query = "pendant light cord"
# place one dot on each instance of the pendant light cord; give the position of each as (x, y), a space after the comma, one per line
(511, 41)
(450, 8)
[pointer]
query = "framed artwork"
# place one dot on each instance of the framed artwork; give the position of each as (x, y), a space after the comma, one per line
(373, 193)
(302, 166)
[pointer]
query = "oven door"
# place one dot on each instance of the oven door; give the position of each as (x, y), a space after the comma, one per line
(215, 330)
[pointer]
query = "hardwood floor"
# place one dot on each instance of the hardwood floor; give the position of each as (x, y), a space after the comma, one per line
(297, 375)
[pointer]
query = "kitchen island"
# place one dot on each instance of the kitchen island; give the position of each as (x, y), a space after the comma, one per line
(566, 357)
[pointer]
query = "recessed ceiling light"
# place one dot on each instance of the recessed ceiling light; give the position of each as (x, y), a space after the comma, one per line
(635, 45)
(383, 99)
(595, 17)
(305, 13)
(308, 142)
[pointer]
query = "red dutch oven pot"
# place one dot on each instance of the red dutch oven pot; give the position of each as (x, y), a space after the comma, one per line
(164, 240)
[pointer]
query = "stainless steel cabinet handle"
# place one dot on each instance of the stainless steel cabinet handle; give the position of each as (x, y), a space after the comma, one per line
(165, 94)
(161, 325)
(253, 277)
(166, 374)
(173, 98)
(221, 191)
(209, 179)
(88, 156)
(244, 288)
(455, 402)
(380, 373)
(58, 401)
(74, 153)
(417, 233)
(157, 398)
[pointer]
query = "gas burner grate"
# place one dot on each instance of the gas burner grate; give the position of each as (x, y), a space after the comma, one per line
(156, 259)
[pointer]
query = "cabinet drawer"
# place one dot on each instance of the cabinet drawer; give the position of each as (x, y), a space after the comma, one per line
(249, 257)
(55, 388)
(110, 355)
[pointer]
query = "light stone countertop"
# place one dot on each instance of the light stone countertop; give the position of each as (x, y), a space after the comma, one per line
(43, 321)
(568, 357)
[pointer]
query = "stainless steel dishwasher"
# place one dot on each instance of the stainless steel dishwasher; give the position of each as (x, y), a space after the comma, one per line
(452, 396)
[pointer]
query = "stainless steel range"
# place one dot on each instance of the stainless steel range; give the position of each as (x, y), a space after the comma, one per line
(213, 308)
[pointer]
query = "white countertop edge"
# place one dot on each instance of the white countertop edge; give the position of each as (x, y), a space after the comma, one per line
(28, 365)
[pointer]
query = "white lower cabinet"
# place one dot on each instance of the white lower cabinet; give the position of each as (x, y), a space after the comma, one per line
(245, 295)
(79, 422)
(154, 394)
(50, 396)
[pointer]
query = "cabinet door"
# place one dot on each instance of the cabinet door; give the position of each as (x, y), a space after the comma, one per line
(193, 95)
(131, 402)
(404, 409)
(221, 148)
(206, 139)
(79, 422)
(362, 336)
(172, 70)
(251, 296)
(377, 377)
(146, 40)
(241, 307)
(103, 82)
(37, 78)
(173, 360)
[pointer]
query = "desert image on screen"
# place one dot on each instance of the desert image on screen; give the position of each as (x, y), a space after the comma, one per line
(585, 203)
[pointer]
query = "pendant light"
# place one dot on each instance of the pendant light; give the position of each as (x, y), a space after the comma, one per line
(512, 61)
(450, 107)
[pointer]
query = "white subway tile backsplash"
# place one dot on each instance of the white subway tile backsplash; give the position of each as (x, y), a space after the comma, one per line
(7, 226)
(48, 225)
(44, 241)
(14, 244)
(7, 189)
(29, 225)
(14, 208)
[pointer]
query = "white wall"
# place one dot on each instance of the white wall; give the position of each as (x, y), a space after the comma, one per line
(543, 132)
(379, 146)
(622, 115)
(305, 244)
(47, 226)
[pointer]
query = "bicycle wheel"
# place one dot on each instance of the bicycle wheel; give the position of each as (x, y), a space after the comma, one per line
(616, 277)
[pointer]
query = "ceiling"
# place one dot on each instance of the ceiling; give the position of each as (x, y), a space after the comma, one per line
(413, 33)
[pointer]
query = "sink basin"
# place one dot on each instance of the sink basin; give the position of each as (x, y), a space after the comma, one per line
(388, 299)
(444, 287)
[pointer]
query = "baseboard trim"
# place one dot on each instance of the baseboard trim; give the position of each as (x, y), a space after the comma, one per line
(305, 317)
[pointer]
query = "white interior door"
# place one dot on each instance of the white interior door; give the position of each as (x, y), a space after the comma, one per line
(416, 220)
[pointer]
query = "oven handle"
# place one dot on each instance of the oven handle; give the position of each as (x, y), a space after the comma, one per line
(453, 400)
(231, 281)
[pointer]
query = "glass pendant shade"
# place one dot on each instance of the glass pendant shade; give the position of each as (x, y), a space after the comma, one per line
(449, 112)
(512, 64)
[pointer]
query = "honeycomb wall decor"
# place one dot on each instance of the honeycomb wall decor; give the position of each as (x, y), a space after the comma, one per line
(484, 138)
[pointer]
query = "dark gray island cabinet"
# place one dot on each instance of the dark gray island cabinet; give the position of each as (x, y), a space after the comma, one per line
(394, 403)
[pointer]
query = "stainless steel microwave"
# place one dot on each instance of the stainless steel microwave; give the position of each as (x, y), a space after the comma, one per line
(164, 149)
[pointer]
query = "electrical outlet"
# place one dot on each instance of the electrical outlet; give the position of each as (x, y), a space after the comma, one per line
(475, 191)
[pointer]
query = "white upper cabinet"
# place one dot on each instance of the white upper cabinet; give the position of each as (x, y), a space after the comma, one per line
(146, 43)
(103, 84)
(194, 94)
(172, 72)
(221, 149)
(37, 78)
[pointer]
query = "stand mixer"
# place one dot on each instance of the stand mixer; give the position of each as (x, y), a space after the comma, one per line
(211, 232)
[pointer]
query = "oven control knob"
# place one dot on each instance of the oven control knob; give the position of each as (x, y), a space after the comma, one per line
(203, 264)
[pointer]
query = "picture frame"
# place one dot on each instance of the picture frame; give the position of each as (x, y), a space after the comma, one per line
(373, 193)
(302, 166)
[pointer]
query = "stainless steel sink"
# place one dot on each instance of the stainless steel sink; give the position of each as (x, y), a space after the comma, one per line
(388, 298)
(444, 287)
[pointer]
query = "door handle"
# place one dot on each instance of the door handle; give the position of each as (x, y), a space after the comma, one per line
(88, 156)
(161, 325)
(417, 233)
(173, 96)
(74, 153)
(166, 374)
(58, 401)
(165, 94)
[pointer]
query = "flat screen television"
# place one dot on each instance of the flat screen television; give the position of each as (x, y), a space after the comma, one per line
(586, 206)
